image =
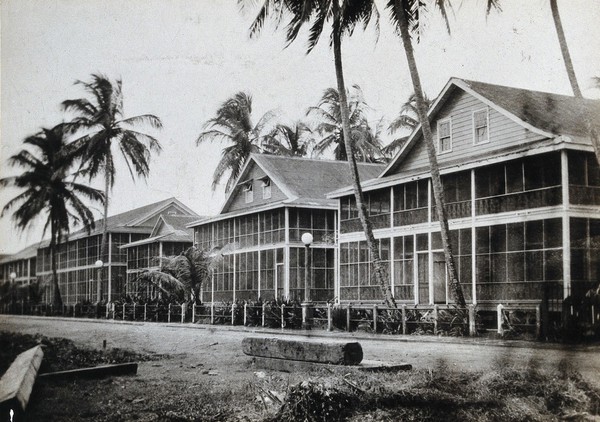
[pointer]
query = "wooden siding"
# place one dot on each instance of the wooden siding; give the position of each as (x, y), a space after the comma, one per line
(238, 202)
(151, 222)
(503, 133)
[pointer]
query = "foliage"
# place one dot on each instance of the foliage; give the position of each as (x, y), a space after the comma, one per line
(407, 119)
(233, 125)
(365, 140)
(47, 191)
(294, 140)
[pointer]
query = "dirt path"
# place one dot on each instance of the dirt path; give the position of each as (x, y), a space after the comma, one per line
(209, 360)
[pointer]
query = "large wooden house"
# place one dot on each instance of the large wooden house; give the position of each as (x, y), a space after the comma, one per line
(522, 191)
(274, 202)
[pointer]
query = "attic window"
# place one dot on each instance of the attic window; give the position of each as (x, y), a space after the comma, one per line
(481, 133)
(172, 212)
(248, 194)
(444, 136)
(266, 188)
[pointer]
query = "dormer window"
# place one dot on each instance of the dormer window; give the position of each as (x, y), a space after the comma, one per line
(266, 188)
(444, 136)
(481, 123)
(248, 194)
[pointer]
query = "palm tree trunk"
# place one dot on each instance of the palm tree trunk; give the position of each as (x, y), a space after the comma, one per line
(57, 298)
(564, 49)
(438, 192)
(104, 240)
(380, 274)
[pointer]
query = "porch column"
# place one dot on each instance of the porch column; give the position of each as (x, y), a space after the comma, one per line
(566, 230)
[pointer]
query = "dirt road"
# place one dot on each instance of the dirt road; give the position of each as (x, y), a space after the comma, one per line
(220, 347)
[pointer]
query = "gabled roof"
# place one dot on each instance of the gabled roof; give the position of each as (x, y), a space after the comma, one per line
(168, 228)
(550, 115)
(129, 221)
(25, 253)
(304, 181)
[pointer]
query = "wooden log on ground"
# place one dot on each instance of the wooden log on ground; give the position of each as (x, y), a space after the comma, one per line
(17, 383)
(94, 372)
(335, 353)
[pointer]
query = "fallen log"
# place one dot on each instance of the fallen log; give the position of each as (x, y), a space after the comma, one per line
(17, 383)
(94, 372)
(335, 353)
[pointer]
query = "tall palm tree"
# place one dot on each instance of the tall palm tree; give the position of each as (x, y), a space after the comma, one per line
(107, 131)
(407, 119)
(292, 140)
(343, 19)
(233, 124)
(564, 49)
(365, 140)
(48, 192)
(405, 18)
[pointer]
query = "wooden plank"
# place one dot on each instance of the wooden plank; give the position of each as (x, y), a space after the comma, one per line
(284, 365)
(335, 353)
(94, 372)
(17, 383)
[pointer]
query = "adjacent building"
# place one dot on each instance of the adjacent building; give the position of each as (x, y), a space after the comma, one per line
(274, 202)
(19, 268)
(522, 190)
(78, 274)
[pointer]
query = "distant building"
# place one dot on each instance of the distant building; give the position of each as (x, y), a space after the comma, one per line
(77, 256)
(22, 264)
(277, 199)
(522, 190)
(169, 237)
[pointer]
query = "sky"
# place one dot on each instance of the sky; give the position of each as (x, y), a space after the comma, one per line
(180, 59)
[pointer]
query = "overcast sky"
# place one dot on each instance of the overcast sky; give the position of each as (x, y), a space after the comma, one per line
(179, 59)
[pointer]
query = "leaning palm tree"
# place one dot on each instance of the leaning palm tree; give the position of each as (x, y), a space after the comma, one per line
(48, 192)
(365, 141)
(233, 124)
(292, 140)
(107, 131)
(564, 49)
(182, 276)
(408, 119)
(343, 16)
(405, 18)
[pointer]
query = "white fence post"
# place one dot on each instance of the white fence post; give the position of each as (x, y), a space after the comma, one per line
(403, 319)
(233, 314)
(264, 307)
(212, 313)
(282, 315)
(145, 311)
(329, 321)
(193, 312)
(500, 319)
(348, 311)
(472, 326)
(183, 311)
(169, 314)
(375, 318)
(245, 313)
(435, 319)
(538, 321)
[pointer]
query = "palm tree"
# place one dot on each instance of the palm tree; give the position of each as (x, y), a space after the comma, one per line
(365, 140)
(564, 49)
(343, 19)
(293, 140)
(407, 119)
(182, 276)
(405, 18)
(108, 131)
(48, 192)
(233, 124)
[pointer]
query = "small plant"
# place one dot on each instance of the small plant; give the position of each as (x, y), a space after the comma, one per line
(313, 401)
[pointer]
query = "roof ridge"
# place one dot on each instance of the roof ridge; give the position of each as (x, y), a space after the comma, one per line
(285, 157)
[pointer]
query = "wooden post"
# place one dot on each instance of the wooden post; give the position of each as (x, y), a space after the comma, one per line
(538, 321)
(145, 314)
(472, 326)
(212, 312)
(169, 313)
(375, 318)
(232, 313)
(593, 315)
(134, 311)
(193, 312)
(348, 311)
(245, 313)
(500, 319)
(329, 321)
(183, 309)
(264, 307)
(124, 311)
(403, 319)
(282, 316)
(435, 319)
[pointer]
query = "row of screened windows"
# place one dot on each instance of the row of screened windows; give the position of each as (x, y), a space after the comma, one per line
(21, 268)
(146, 256)
(525, 257)
(86, 251)
(82, 285)
(529, 182)
(267, 228)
